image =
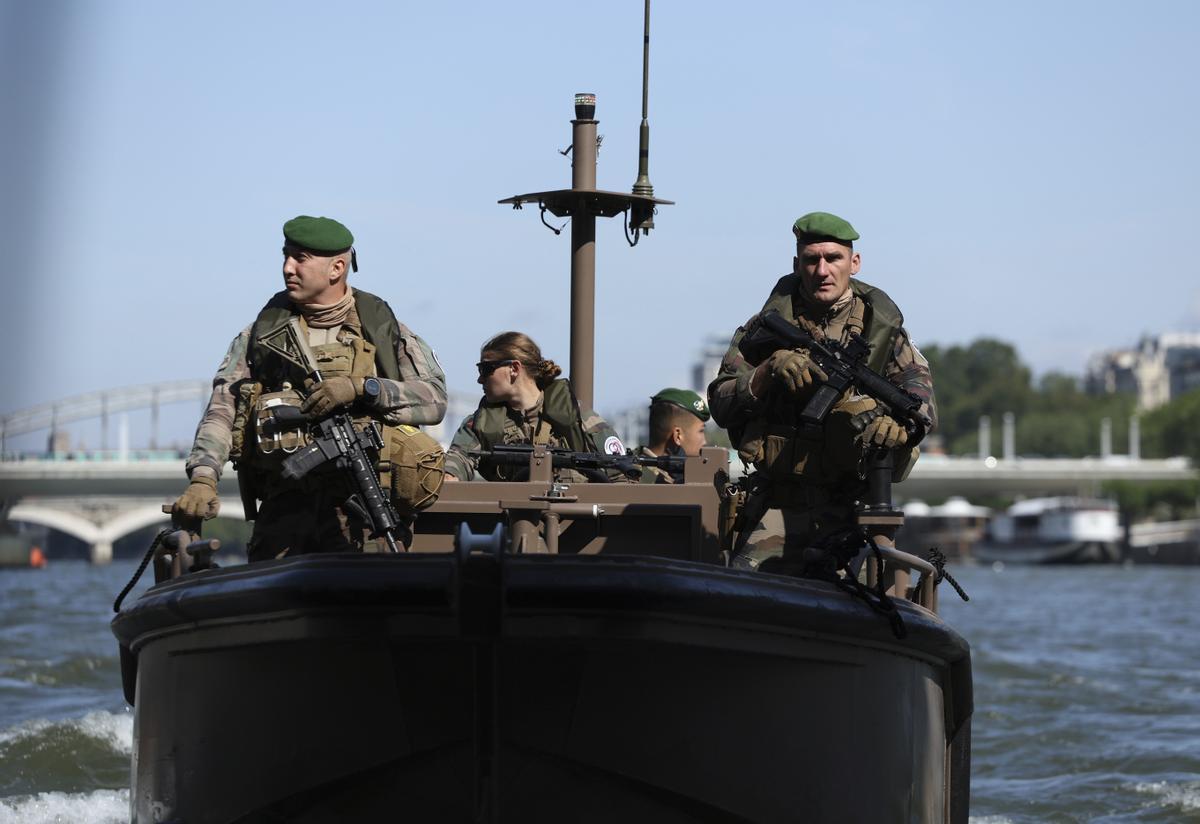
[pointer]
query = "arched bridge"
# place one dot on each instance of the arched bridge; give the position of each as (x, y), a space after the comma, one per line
(98, 522)
(152, 396)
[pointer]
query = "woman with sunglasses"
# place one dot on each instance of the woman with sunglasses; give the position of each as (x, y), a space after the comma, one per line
(524, 402)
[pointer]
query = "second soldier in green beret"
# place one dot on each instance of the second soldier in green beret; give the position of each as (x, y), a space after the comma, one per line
(812, 478)
(677, 418)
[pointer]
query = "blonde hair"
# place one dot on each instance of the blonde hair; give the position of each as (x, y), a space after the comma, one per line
(520, 347)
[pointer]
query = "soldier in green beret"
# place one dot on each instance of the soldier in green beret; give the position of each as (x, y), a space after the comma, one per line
(371, 364)
(677, 418)
(814, 482)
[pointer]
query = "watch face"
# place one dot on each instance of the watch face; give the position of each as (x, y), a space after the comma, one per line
(371, 387)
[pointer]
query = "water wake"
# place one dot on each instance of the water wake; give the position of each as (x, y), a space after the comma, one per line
(96, 807)
(66, 756)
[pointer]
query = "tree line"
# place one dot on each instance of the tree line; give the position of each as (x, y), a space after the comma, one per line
(1055, 417)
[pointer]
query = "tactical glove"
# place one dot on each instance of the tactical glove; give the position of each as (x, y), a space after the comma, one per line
(199, 500)
(885, 431)
(794, 370)
(861, 411)
(330, 395)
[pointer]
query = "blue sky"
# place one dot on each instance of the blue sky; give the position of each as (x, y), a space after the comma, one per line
(1020, 170)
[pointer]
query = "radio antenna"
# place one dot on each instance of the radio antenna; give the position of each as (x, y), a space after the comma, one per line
(643, 213)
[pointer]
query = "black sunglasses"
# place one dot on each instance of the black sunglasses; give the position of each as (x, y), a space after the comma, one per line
(487, 367)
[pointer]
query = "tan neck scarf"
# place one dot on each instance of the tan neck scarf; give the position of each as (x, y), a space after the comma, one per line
(824, 322)
(326, 316)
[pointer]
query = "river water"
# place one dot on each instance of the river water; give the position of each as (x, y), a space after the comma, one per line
(1087, 694)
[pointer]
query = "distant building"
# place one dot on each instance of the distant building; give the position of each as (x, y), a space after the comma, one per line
(711, 353)
(1159, 369)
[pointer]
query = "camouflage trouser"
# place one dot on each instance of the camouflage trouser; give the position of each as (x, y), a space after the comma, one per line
(791, 529)
(300, 522)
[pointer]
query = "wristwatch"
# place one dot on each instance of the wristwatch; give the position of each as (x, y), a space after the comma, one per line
(371, 390)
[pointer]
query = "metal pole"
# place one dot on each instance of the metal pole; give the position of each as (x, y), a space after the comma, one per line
(1009, 436)
(985, 437)
(103, 424)
(583, 252)
(154, 419)
(1135, 439)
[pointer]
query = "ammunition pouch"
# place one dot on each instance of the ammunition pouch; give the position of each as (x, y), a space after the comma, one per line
(790, 453)
(729, 515)
(245, 403)
(278, 433)
(904, 459)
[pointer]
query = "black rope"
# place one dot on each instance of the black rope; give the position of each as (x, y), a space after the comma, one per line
(158, 539)
(938, 559)
(876, 599)
(558, 231)
(632, 241)
(844, 546)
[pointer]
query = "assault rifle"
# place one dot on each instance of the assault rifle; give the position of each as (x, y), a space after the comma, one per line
(336, 441)
(844, 366)
(591, 465)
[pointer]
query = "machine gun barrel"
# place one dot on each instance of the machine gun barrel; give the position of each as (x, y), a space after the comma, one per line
(629, 465)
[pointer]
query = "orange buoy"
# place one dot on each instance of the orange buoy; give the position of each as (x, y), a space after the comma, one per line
(37, 558)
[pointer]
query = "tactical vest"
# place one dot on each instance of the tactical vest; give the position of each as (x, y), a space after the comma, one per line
(379, 327)
(783, 451)
(559, 409)
(272, 379)
(881, 323)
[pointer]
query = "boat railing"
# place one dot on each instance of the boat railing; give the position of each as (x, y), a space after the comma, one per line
(897, 575)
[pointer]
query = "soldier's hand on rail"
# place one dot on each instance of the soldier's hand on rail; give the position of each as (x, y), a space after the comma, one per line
(885, 431)
(330, 395)
(199, 500)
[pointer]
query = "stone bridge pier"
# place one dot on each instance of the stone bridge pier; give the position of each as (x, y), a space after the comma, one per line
(97, 521)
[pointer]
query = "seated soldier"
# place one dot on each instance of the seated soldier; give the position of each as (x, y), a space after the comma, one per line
(677, 418)
(524, 402)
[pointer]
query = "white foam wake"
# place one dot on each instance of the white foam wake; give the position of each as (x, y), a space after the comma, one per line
(1184, 797)
(114, 729)
(96, 807)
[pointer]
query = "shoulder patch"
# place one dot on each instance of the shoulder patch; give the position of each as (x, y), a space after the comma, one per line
(613, 445)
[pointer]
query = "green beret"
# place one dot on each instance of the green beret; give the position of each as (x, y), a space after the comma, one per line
(685, 399)
(318, 234)
(818, 226)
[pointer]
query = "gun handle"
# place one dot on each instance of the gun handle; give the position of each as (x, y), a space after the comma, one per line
(819, 405)
(301, 463)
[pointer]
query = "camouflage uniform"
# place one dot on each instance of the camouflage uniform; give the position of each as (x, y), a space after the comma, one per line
(587, 432)
(295, 519)
(652, 474)
(811, 506)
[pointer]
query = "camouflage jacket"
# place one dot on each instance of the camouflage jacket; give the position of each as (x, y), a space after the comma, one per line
(652, 474)
(732, 403)
(419, 397)
(520, 428)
